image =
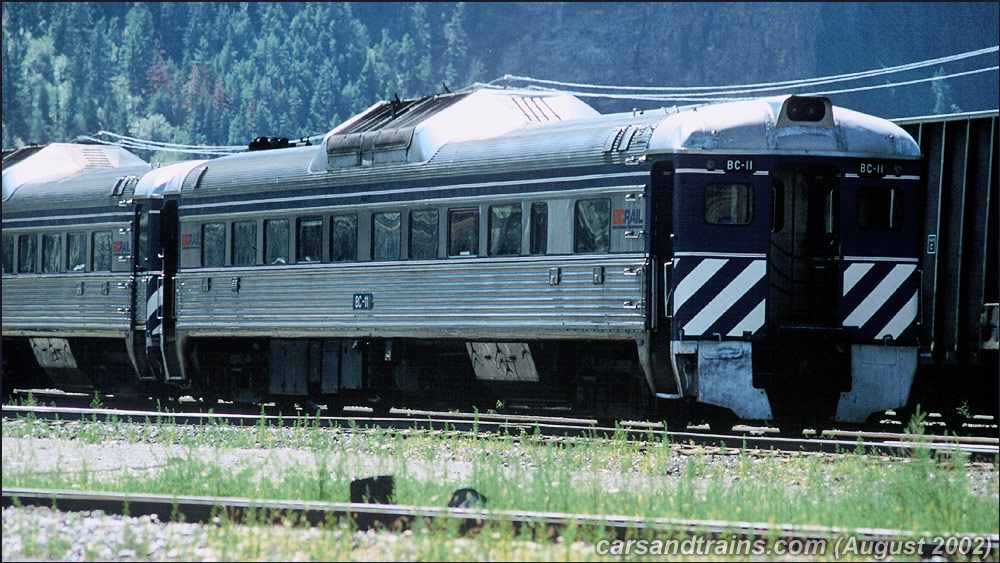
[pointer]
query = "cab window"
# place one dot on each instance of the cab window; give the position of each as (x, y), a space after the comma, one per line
(728, 204)
(880, 208)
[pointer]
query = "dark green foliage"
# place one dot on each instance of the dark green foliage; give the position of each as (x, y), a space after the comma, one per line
(225, 73)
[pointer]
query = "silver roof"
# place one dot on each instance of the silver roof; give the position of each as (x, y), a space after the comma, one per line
(64, 160)
(764, 126)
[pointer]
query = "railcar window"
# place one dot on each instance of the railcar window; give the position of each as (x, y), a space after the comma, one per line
(76, 252)
(385, 236)
(344, 238)
(463, 232)
(100, 259)
(26, 248)
(309, 244)
(880, 208)
(244, 243)
(424, 234)
(213, 244)
(8, 255)
(539, 228)
(51, 253)
(728, 204)
(505, 230)
(276, 241)
(592, 226)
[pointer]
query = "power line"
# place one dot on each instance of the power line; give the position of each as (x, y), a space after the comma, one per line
(707, 97)
(685, 94)
(717, 93)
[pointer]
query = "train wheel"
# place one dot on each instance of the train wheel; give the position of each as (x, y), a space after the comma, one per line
(722, 422)
(673, 413)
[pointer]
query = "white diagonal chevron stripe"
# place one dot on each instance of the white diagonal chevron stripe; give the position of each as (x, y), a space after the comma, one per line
(695, 279)
(726, 298)
(882, 292)
(752, 322)
(903, 319)
(855, 272)
(153, 303)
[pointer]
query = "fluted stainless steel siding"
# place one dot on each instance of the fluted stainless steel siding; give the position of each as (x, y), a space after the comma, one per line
(49, 305)
(468, 299)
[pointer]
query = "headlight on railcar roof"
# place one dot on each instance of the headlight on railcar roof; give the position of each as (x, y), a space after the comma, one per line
(803, 108)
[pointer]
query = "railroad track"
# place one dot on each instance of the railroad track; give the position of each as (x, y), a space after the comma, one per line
(975, 425)
(544, 524)
(549, 428)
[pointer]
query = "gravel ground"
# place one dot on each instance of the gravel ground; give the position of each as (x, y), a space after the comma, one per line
(36, 534)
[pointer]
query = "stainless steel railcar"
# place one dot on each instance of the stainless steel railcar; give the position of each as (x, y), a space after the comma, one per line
(751, 259)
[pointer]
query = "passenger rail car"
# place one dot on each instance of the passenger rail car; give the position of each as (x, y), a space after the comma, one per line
(751, 259)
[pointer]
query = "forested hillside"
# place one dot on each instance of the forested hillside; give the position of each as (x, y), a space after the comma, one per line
(224, 73)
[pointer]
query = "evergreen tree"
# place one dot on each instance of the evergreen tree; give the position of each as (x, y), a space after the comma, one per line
(138, 48)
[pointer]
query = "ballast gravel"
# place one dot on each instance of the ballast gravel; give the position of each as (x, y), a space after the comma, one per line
(42, 534)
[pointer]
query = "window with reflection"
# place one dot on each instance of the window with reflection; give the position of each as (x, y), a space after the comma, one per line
(385, 236)
(276, 241)
(309, 243)
(539, 225)
(27, 246)
(213, 244)
(51, 253)
(424, 234)
(728, 204)
(463, 232)
(344, 238)
(244, 241)
(8, 255)
(76, 252)
(880, 208)
(505, 230)
(592, 226)
(100, 248)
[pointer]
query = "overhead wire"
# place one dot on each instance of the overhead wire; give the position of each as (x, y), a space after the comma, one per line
(684, 94)
(744, 88)
(716, 98)
(732, 92)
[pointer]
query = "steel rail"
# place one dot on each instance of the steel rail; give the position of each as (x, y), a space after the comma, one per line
(398, 517)
(899, 445)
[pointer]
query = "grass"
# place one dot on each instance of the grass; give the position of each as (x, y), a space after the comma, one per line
(605, 476)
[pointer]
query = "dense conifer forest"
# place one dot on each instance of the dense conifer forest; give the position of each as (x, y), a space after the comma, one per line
(224, 73)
